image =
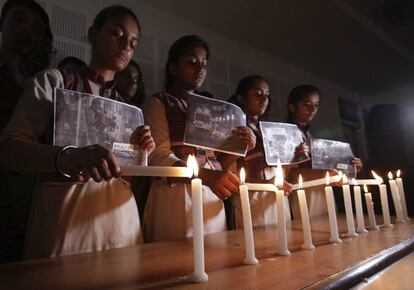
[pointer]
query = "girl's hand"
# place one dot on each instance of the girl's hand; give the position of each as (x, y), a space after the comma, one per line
(302, 150)
(91, 161)
(222, 183)
(248, 136)
(145, 139)
(357, 163)
(287, 187)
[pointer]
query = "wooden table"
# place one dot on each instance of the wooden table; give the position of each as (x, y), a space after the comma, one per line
(162, 265)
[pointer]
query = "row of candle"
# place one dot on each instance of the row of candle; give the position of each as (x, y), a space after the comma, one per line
(199, 274)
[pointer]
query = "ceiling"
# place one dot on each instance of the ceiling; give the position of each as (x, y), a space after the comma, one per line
(365, 46)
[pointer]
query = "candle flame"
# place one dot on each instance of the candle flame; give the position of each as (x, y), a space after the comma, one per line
(279, 174)
(300, 181)
(365, 188)
(327, 181)
(192, 164)
(377, 177)
(242, 175)
(354, 182)
(398, 173)
(390, 175)
(345, 179)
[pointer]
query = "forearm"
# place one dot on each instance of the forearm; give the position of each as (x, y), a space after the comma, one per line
(26, 156)
(227, 159)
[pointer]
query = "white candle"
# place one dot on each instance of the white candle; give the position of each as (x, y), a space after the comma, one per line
(318, 182)
(261, 187)
(247, 221)
(370, 209)
(348, 209)
(384, 205)
(199, 274)
(396, 199)
(358, 210)
(281, 218)
(161, 171)
(304, 215)
(401, 191)
(330, 201)
(368, 181)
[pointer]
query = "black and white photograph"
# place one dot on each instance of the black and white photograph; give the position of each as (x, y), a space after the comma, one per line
(83, 119)
(280, 141)
(333, 155)
(211, 124)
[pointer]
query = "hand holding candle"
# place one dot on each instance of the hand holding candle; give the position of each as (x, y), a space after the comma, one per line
(304, 215)
(247, 221)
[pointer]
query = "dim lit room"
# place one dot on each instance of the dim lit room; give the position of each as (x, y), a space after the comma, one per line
(155, 144)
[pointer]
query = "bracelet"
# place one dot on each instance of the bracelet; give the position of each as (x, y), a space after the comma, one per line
(57, 160)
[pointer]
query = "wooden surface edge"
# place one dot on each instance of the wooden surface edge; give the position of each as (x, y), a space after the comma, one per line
(356, 274)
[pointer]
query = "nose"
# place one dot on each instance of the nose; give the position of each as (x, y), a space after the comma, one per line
(125, 45)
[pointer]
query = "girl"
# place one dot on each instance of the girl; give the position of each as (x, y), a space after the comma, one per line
(168, 210)
(303, 103)
(253, 96)
(129, 83)
(72, 213)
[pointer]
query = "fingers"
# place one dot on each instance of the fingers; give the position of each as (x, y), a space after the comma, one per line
(287, 187)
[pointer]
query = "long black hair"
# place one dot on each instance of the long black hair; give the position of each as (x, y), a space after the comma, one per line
(178, 49)
(244, 85)
(297, 94)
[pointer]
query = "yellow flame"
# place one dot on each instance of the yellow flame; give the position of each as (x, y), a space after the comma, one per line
(365, 188)
(390, 175)
(300, 181)
(398, 173)
(345, 179)
(279, 175)
(354, 182)
(192, 164)
(376, 176)
(327, 180)
(242, 175)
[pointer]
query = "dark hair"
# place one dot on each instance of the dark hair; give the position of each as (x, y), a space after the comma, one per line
(139, 97)
(71, 60)
(32, 5)
(178, 49)
(244, 85)
(298, 93)
(39, 59)
(113, 11)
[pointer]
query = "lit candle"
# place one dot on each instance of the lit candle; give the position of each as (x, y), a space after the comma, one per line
(402, 195)
(281, 219)
(370, 209)
(396, 199)
(199, 274)
(348, 208)
(318, 182)
(304, 215)
(358, 209)
(247, 221)
(330, 201)
(161, 171)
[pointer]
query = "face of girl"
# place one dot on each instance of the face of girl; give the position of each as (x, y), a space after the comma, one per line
(306, 109)
(257, 99)
(191, 69)
(127, 81)
(22, 30)
(115, 43)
